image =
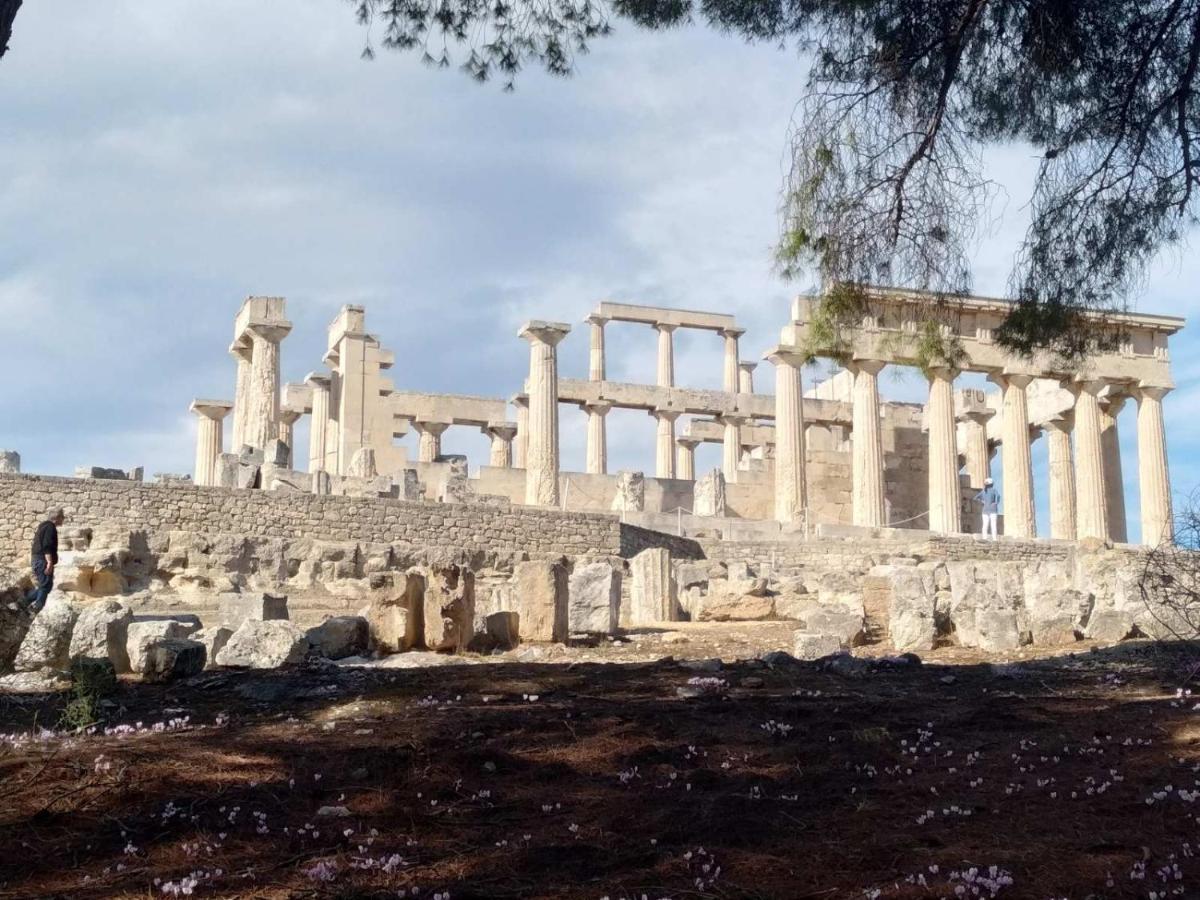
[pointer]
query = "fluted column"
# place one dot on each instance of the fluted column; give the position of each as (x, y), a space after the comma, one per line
(319, 428)
(731, 446)
(666, 355)
(945, 510)
(685, 458)
(287, 427)
(429, 446)
(596, 361)
(791, 490)
(978, 454)
(1062, 478)
(597, 437)
(210, 414)
(730, 380)
(521, 402)
(746, 377)
(664, 457)
(541, 450)
(262, 394)
(867, 490)
(242, 353)
(1154, 479)
(1091, 497)
(501, 435)
(1114, 480)
(1016, 459)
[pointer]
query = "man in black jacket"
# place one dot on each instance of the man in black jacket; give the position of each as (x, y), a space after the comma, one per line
(45, 556)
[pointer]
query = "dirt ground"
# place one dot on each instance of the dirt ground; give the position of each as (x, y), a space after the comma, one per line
(565, 776)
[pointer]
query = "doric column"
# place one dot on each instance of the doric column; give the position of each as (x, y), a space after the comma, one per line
(666, 355)
(597, 438)
(945, 511)
(1016, 460)
(731, 446)
(262, 418)
(208, 438)
(978, 454)
(730, 380)
(1114, 480)
(596, 366)
(541, 449)
(242, 354)
(319, 429)
(1091, 504)
(501, 435)
(746, 377)
(664, 457)
(1062, 478)
(429, 446)
(866, 446)
(521, 402)
(287, 427)
(1154, 479)
(685, 458)
(791, 491)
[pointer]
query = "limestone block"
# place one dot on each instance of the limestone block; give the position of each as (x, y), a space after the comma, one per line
(96, 572)
(631, 492)
(281, 478)
(594, 603)
(810, 646)
(504, 629)
(362, 464)
(339, 637)
(101, 632)
(226, 474)
(277, 454)
(1109, 625)
(737, 600)
(456, 489)
(320, 483)
(173, 658)
(393, 618)
(910, 617)
(249, 476)
(985, 620)
(102, 473)
(264, 645)
(238, 608)
(541, 595)
(1056, 615)
(652, 597)
(141, 636)
(709, 496)
(47, 643)
(214, 639)
(10, 462)
(448, 608)
(410, 485)
(691, 574)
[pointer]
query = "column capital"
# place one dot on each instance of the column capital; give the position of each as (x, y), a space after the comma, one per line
(550, 333)
(597, 319)
(870, 366)
(979, 416)
(519, 400)
(289, 416)
(1004, 378)
(669, 414)
(748, 366)
(1113, 404)
(941, 373)
(434, 428)
(784, 355)
(734, 419)
(598, 407)
(1150, 392)
(242, 350)
(1062, 423)
(690, 443)
(318, 380)
(732, 332)
(1084, 385)
(272, 333)
(665, 327)
(505, 431)
(211, 409)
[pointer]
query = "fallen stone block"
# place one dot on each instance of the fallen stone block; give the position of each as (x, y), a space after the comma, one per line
(541, 596)
(339, 637)
(214, 638)
(174, 658)
(143, 634)
(631, 492)
(504, 629)
(809, 646)
(264, 645)
(709, 494)
(239, 608)
(101, 632)
(652, 597)
(448, 608)
(393, 619)
(47, 643)
(594, 599)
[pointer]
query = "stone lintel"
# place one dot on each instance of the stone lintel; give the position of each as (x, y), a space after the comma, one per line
(657, 315)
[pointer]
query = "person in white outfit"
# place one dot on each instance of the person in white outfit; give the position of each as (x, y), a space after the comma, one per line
(990, 498)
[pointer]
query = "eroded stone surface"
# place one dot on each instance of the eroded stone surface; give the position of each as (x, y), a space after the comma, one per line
(264, 645)
(595, 599)
(101, 632)
(47, 643)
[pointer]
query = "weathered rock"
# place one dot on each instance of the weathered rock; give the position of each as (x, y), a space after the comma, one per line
(541, 595)
(393, 618)
(264, 645)
(1109, 625)
(277, 453)
(214, 639)
(983, 620)
(285, 480)
(47, 643)
(239, 608)
(911, 623)
(456, 489)
(362, 464)
(503, 629)
(652, 596)
(98, 572)
(101, 632)
(842, 622)
(631, 492)
(449, 608)
(709, 495)
(15, 618)
(595, 599)
(173, 658)
(1056, 616)
(410, 485)
(339, 637)
(809, 646)
(736, 601)
(143, 634)
(42, 681)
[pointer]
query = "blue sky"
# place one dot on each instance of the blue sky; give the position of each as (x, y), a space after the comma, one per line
(163, 160)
